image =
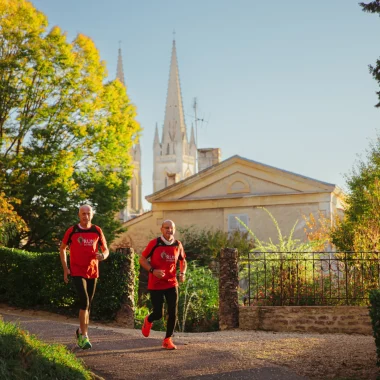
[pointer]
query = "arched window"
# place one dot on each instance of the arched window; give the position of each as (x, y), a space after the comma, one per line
(239, 186)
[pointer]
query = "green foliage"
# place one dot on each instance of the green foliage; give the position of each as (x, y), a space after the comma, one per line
(360, 228)
(22, 356)
(111, 287)
(284, 243)
(374, 312)
(42, 272)
(65, 136)
(204, 245)
(198, 300)
(142, 311)
(197, 304)
(136, 287)
(371, 7)
(280, 268)
(11, 223)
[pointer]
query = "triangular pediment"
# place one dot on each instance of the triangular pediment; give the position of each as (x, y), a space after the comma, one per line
(239, 177)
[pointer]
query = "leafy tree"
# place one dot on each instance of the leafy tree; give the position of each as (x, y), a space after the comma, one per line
(65, 135)
(359, 230)
(360, 226)
(373, 7)
(319, 228)
(10, 222)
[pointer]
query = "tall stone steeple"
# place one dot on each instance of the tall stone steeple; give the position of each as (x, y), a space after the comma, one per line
(174, 160)
(119, 69)
(134, 202)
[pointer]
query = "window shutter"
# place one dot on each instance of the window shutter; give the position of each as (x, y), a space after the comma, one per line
(233, 223)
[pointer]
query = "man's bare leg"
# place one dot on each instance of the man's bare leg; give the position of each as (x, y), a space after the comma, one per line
(84, 319)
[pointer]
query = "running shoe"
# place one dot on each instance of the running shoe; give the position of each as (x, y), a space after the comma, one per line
(146, 327)
(85, 343)
(168, 344)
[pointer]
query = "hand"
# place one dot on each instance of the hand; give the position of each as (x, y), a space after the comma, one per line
(182, 277)
(159, 273)
(100, 256)
(66, 274)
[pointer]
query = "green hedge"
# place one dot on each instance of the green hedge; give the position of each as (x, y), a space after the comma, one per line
(374, 312)
(35, 280)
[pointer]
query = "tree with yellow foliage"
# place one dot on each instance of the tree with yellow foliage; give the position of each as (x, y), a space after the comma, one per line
(10, 223)
(65, 133)
(319, 229)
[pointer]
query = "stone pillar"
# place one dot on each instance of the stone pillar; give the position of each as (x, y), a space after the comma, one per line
(228, 289)
(143, 286)
(126, 315)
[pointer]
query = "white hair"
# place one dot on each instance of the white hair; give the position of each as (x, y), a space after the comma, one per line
(86, 205)
(168, 221)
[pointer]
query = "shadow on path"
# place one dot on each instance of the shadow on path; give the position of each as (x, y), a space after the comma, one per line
(121, 354)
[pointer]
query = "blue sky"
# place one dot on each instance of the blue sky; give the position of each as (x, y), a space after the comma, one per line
(285, 83)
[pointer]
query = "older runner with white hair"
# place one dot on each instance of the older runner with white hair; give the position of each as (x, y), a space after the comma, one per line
(160, 258)
(84, 240)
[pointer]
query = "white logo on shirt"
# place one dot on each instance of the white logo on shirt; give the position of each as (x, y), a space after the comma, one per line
(167, 257)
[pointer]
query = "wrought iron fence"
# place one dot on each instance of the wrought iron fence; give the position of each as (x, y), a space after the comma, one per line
(305, 278)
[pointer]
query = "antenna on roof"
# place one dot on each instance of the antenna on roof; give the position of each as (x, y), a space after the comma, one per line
(196, 119)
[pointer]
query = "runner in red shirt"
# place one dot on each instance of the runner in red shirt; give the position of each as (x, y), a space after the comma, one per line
(163, 254)
(84, 240)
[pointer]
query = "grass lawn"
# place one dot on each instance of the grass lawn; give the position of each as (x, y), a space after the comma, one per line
(23, 356)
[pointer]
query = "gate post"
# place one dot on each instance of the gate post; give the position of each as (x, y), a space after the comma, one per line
(228, 289)
(126, 315)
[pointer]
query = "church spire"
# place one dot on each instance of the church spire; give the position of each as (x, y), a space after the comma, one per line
(174, 124)
(156, 138)
(174, 159)
(119, 70)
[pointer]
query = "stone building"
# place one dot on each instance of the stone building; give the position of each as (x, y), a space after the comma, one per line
(220, 190)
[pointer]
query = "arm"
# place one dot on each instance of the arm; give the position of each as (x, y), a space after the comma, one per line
(103, 246)
(105, 253)
(66, 270)
(182, 269)
(159, 273)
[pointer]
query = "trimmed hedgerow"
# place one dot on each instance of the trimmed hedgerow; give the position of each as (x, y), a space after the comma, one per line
(374, 312)
(35, 280)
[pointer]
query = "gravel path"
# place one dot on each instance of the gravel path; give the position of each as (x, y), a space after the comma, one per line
(120, 354)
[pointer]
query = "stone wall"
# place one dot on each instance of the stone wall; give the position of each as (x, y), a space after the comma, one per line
(321, 319)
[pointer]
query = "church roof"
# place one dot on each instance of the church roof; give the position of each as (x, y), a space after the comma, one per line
(254, 165)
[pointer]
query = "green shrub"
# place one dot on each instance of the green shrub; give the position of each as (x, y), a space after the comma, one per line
(204, 245)
(374, 312)
(198, 305)
(30, 279)
(22, 356)
(142, 311)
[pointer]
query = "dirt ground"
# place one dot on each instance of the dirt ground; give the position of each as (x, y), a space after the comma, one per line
(120, 353)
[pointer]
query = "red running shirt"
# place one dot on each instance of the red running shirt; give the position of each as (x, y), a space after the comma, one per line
(84, 245)
(164, 257)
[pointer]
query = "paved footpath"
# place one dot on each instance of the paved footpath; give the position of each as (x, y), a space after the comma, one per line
(125, 354)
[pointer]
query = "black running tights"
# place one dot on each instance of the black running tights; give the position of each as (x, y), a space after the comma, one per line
(158, 297)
